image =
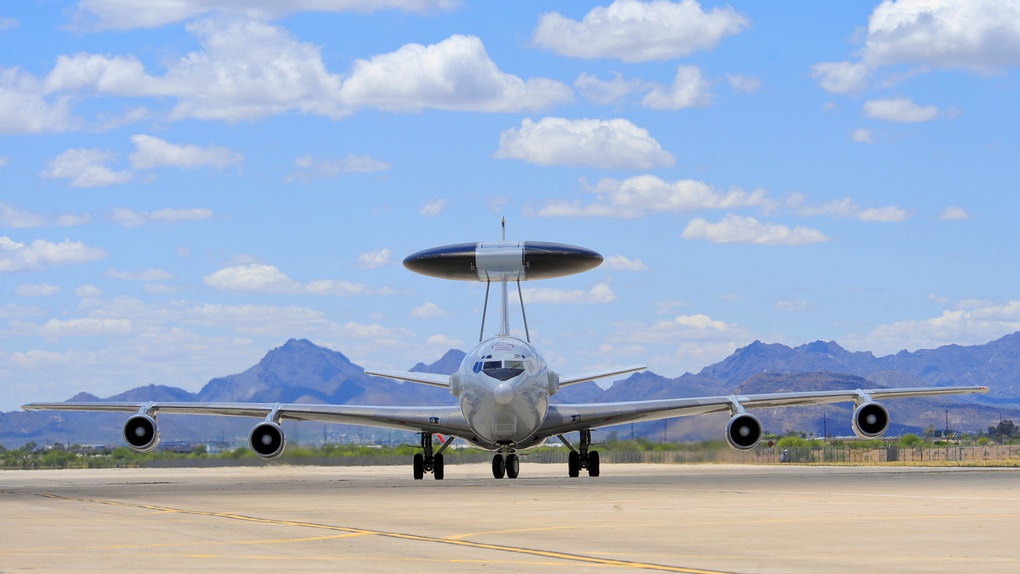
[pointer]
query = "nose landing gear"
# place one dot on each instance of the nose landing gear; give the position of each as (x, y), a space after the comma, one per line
(508, 465)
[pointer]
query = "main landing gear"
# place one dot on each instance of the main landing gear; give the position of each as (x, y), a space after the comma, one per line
(429, 461)
(581, 458)
(508, 465)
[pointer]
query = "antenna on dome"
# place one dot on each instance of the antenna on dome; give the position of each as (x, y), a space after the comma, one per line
(504, 228)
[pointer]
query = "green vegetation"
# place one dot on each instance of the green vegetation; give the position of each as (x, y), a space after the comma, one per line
(31, 456)
(800, 446)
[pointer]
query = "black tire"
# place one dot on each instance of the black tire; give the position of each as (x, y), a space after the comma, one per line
(437, 467)
(513, 466)
(419, 466)
(593, 463)
(498, 466)
(573, 464)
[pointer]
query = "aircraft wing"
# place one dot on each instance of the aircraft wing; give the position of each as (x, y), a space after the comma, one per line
(564, 418)
(420, 378)
(444, 420)
(591, 376)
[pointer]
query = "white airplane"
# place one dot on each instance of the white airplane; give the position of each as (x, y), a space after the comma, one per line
(503, 385)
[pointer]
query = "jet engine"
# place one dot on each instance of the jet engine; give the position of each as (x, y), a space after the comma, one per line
(870, 420)
(743, 432)
(266, 440)
(141, 433)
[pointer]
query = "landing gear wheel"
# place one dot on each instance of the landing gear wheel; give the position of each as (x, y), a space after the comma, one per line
(513, 466)
(498, 466)
(593, 463)
(573, 464)
(437, 467)
(419, 466)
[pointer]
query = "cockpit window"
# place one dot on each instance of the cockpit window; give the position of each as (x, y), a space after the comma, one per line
(503, 369)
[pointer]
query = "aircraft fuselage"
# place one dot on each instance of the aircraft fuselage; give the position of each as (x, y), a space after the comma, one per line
(503, 387)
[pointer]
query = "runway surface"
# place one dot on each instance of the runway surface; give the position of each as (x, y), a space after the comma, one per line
(666, 518)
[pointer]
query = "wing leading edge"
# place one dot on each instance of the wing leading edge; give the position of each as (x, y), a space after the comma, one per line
(442, 381)
(563, 418)
(445, 420)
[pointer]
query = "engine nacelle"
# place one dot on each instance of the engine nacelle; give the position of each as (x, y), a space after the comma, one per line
(743, 432)
(141, 433)
(552, 385)
(870, 420)
(266, 440)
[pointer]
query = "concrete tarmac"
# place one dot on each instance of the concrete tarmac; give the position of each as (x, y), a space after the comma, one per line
(666, 518)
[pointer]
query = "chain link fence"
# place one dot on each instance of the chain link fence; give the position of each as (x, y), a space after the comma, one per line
(823, 455)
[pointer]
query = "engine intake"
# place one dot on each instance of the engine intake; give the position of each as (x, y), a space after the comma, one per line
(141, 433)
(870, 420)
(266, 440)
(743, 432)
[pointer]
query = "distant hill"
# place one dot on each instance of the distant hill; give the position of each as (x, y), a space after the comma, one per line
(300, 371)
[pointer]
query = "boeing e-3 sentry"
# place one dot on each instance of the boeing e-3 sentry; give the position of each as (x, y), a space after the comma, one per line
(503, 386)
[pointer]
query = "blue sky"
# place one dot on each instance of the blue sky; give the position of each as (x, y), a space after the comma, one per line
(185, 185)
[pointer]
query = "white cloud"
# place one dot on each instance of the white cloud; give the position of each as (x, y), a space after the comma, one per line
(792, 305)
(954, 213)
(977, 35)
(646, 194)
(428, 311)
(736, 229)
(37, 290)
(40, 253)
(262, 278)
(152, 152)
(454, 74)
(610, 144)
(899, 110)
(26, 108)
(980, 35)
(248, 70)
(703, 322)
(689, 90)
(19, 219)
(745, 84)
(605, 92)
(8, 23)
(341, 288)
(635, 31)
(889, 214)
(969, 323)
(600, 293)
(86, 168)
(86, 291)
(624, 263)
(374, 259)
(253, 278)
(842, 77)
(118, 75)
(131, 218)
(309, 169)
(432, 208)
(147, 275)
(83, 327)
(128, 14)
(861, 135)
(846, 208)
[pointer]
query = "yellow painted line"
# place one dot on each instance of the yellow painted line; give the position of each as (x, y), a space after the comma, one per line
(562, 556)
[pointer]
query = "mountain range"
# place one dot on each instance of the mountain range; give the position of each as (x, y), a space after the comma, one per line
(302, 372)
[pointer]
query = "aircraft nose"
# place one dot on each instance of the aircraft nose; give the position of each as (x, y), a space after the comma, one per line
(504, 393)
